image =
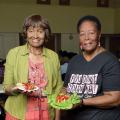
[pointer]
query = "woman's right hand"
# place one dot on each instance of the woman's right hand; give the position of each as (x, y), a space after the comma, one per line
(16, 90)
(13, 90)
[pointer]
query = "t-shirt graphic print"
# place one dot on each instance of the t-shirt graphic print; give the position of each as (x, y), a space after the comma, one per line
(84, 85)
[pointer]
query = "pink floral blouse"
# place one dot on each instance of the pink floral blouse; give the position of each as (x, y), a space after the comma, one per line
(37, 107)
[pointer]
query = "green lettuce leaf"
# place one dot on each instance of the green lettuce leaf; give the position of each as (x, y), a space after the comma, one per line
(67, 104)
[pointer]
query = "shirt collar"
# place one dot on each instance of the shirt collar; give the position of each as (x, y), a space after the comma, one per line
(25, 50)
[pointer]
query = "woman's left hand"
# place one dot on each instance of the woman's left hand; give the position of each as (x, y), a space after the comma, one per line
(78, 104)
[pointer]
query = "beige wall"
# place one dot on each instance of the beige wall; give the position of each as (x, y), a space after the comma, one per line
(70, 42)
(8, 41)
(62, 19)
(117, 21)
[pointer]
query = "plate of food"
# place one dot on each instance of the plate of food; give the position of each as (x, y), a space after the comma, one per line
(63, 101)
(29, 87)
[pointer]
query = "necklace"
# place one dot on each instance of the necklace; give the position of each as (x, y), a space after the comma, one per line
(36, 53)
(90, 56)
(39, 53)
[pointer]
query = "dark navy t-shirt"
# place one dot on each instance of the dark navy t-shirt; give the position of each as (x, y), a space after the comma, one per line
(92, 78)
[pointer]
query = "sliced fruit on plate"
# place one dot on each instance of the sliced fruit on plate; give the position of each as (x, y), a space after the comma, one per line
(27, 86)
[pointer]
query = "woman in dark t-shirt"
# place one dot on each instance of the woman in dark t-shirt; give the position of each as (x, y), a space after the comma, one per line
(94, 76)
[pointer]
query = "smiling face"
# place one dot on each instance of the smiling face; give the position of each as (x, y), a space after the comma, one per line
(35, 36)
(89, 36)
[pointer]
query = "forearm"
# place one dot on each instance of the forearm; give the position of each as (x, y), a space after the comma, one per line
(104, 101)
(57, 114)
(12, 90)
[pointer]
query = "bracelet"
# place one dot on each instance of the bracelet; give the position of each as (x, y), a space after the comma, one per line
(81, 102)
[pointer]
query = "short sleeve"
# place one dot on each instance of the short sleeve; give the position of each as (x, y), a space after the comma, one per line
(111, 75)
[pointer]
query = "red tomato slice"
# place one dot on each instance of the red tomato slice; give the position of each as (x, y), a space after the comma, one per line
(29, 86)
(61, 98)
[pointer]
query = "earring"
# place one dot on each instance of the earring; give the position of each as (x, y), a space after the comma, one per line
(81, 47)
(99, 44)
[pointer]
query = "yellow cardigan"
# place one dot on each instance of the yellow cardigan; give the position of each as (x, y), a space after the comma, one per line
(16, 70)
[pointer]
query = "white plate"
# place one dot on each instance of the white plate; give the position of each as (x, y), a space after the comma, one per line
(20, 86)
